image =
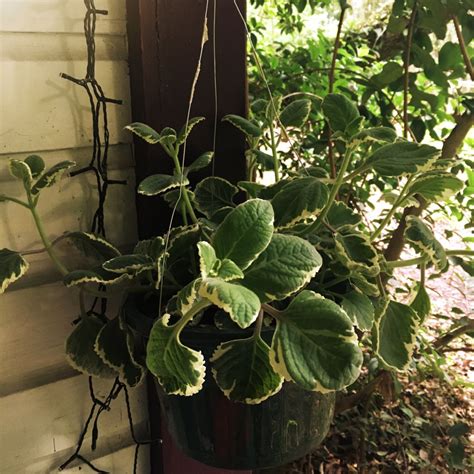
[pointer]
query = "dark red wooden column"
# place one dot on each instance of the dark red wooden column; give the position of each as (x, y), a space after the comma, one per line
(164, 42)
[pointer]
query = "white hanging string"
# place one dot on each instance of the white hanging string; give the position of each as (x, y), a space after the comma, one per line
(204, 39)
(267, 85)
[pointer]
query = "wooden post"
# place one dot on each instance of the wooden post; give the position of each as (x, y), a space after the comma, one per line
(164, 42)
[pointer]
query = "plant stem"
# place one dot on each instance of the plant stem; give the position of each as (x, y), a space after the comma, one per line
(274, 313)
(421, 260)
(195, 309)
(462, 46)
(276, 164)
(334, 191)
(12, 199)
(46, 242)
(337, 42)
(174, 155)
(407, 67)
(392, 211)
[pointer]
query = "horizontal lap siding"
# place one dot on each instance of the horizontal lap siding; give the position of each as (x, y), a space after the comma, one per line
(44, 403)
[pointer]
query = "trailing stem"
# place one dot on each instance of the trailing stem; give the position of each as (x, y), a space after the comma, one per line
(48, 245)
(407, 67)
(337, 43)
(332, 196)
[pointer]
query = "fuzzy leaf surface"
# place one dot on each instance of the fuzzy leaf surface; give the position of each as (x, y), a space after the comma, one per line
(315, 346)
(213, 194)
(421, 237)
(299, 201)
(339, 111)
(245, 232)
(396, 335)
(115, 346)
(242, 304)
(436, 186)
(296, 113)
(179, 369)
(159, 183)
(397, 159)
(245, 126)
(12, 267)
(80, 351)
(243, 372)
(283, 268)
(360, 309)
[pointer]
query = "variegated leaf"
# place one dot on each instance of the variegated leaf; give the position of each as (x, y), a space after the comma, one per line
(421, 237)
(160, 183)
(145, 132)
(134, 263)
(96, 275)
(213, 194)
(240, 303)
(52, 176)
(243, 372)
(187, 129)
(315, 346)
(247, 127)
(12, 267)
(436, 186)
(283, 268)
(179, 369)
(299, 201)
(93, 245)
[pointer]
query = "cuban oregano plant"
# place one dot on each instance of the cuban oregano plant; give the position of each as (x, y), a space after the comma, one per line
(293, 270)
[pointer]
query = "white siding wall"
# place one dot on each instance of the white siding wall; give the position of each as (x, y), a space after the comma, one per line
(44, 402)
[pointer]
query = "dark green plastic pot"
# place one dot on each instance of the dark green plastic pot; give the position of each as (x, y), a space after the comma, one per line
(211, 429)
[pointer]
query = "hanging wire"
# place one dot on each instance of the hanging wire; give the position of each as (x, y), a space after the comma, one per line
(98, 165)
(197, 73)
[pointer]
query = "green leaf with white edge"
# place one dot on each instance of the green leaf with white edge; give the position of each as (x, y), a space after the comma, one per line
(392, 197)
(252, 189)
(300, 201)
(20, 170)
(80, 352)
(36, 165)
(168, 136)
(181, 240)
(340, 215)
(315, 346)
(396, 335)
(242, 370)
(188, 296)
(421, 237)
(145, 132)
(365, 284)
(207, 259)
(401, 158)
(245, 232)
(296, 114)
(354, 250)
(377, 135)
(115, 346)
(227, 270)
(199, 163)
(421, 303)
(436, 186)
(213, 194)
(339, 111)
(153, 248)
(96, 275)
(12, 267)
(134, 263)
(247, 127)
(179, 369)
(175, 199)
(52, 176)
(359, 308)
(239, 302)
(187, 129)
(93, 245)
(283, 268)
(273, 109)
(159, 183)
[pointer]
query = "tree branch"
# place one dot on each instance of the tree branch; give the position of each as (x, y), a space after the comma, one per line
(451, 335)
(450, 147)
(462, 46)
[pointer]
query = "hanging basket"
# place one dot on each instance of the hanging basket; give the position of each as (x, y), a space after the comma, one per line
(211, 429)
